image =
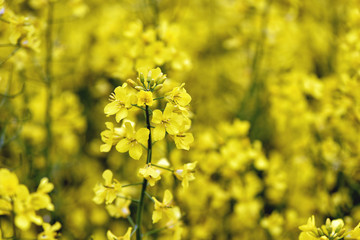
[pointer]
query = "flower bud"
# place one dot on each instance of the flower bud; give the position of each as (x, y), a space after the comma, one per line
(139, 88)
(131, 82)
(149, 77)
(158, 87)
(142, 78)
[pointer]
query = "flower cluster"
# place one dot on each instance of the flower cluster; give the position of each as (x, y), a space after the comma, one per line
(332, 230)
(18, 203)
(173, 121)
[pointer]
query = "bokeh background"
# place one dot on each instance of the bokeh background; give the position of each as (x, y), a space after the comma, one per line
(275, 88)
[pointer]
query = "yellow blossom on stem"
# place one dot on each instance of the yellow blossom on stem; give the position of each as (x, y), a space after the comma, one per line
(120, 208)
(145, 98)
(9, 182)
(333, 230)
(168, 121)
(50, 231)
(179, 96)
(310, 225)
(108, 191)
(183, 140)
(185, 173)
(120, 103)
(133, 141)
(354, 234)
(150, 173)
(154, 77)
(111, 136)
(24, 210)
(40, 199)
(163, 207)
(111, 236)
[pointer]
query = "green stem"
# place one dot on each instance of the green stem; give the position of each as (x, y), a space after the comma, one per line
(48, 80)
(7, 45)
(10, 55)
(135, 105)
(131, 221)
(127, 198)
(144, 185)
(165, 168)
(149, 196)
(155, 231)
(131, 184)
(158, 98)
(13, 220)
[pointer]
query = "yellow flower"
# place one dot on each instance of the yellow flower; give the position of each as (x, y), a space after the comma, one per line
(145, 98)
(133, 140)
(179, 96)
(310, 225)
(50, 232)
(167, 121)
(5, 206)
(183, 140)
(120, 103)
(354, 234)
(111, 137)
(9, 182)
(120, 208)
(107, 192)
(24, 210)
(331, 230)
(40, 199)
(150, 173)
(153, 77)
(111, 236)
(161, 208)
(185, 173)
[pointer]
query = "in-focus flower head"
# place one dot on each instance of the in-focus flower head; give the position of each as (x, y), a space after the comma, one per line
(332, 230)
(133, 141)
(121, 101)
(145, 98)
(179, 96)
(166, 121)
(150, 79)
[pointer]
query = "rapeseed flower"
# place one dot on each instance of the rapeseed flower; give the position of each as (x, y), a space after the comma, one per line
(133, 141)
(108, 191)
(120, 103)
(166, 121)
(164, 207)
(111, 236)
(185, 173)
(150, 173)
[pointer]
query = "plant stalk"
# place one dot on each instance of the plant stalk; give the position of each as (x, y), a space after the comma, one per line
(48, 81)
(144, 184)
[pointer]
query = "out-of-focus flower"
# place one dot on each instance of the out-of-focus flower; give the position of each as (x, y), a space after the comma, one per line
(150, 173)
(108, 191)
